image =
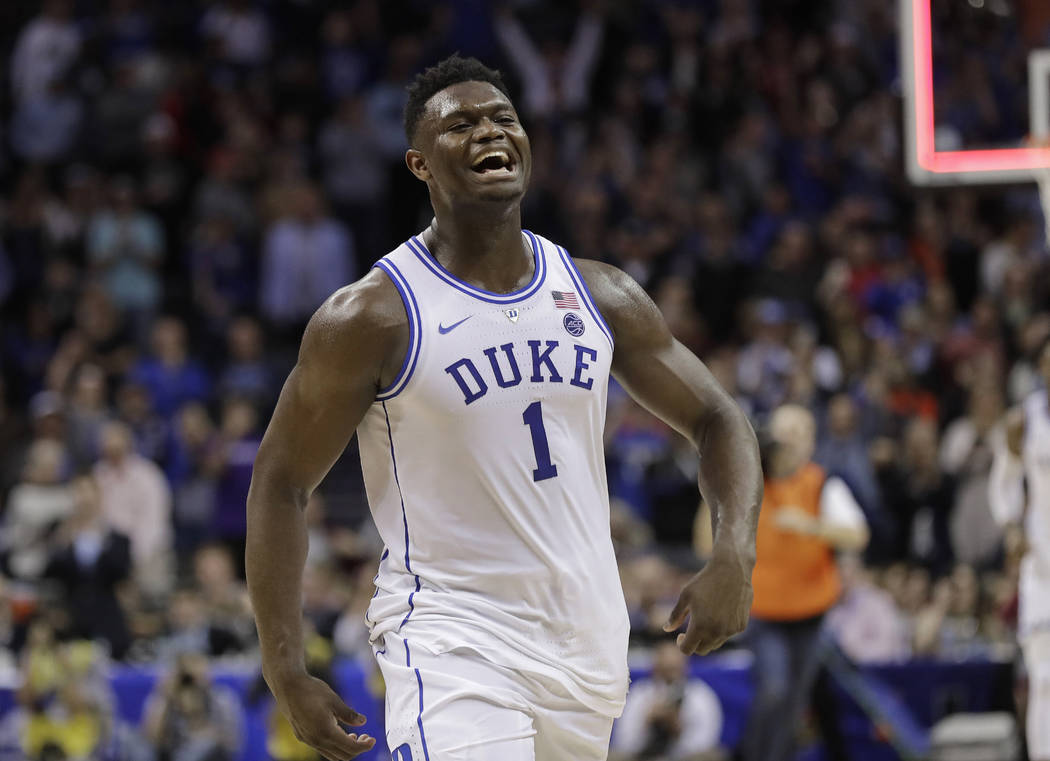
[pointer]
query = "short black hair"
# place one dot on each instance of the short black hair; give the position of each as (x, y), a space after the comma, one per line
(451, 71)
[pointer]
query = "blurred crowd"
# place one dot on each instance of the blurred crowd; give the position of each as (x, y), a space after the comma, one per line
(184, 183)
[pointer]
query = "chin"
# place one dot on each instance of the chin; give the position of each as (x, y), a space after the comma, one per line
(497, 194)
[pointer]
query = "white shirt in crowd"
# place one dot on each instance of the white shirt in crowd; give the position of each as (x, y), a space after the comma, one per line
(136, 501)
(43, 53)
(700, 717)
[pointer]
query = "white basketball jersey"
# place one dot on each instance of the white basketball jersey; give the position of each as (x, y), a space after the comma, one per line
(1035, 567)
(485, 473)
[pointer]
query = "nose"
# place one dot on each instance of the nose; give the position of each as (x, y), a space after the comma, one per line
(488, 130)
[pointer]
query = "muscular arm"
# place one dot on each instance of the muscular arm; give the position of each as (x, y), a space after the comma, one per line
(349, 349)
(669, 381)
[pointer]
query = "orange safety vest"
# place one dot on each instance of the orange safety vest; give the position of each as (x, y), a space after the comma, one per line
(795, 577)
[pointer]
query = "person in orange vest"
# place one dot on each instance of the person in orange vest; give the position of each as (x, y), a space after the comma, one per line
(806, 518)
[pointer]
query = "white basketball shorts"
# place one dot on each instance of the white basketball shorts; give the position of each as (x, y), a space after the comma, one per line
(457, 706)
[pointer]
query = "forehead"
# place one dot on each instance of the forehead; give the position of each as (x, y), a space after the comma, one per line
(465, 96)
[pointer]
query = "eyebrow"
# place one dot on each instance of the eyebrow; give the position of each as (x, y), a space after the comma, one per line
(468, 111)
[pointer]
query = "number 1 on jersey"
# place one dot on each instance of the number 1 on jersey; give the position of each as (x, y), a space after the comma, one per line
(533, 418)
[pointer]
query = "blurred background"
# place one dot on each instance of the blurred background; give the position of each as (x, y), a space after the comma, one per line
(183, 183)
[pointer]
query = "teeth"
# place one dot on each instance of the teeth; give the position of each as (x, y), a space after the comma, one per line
(499, 154)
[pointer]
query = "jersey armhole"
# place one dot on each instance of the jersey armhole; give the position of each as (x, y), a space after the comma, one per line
(415, 332)
(585, 294)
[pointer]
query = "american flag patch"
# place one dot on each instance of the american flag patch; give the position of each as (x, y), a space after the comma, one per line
(565, 300)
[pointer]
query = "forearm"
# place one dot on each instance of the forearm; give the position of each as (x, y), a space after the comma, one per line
(843, 538)
(730, 480)
(274, 560)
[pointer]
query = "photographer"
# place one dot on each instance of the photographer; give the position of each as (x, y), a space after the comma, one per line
(669, 716)
(190, 719)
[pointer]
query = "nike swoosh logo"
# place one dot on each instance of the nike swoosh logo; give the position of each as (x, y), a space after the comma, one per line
(443, 330)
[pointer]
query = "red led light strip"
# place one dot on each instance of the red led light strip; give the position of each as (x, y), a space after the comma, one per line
(951, 162)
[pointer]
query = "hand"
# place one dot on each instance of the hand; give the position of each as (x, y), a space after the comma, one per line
(717, 601)
(317, 714)
(667, 716)
(795, 520)
(1014, 424)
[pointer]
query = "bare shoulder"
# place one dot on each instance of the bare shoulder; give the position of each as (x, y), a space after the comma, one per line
(624, 304)
(362, 326)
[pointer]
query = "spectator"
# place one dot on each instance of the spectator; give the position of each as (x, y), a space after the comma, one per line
(125, 247)
(120, 113)
(865, 622)
(556, 78)
(222, 271)
(238, 443)
(171, 376)
(88, 411)
(966, 455)
(239, 32)
(232, 628)
(89, 559)
(350, 634)
(355, 175)
(45, 50)
(34, 507)
(765, 363)
(805, 517)
(186, 627)
(670, 716)
(46, 125)
(72, 727)
(136, 501)
(921, 496)
(307, 255)
(193, 469)
(843, 452)
(188, 718)
(220, 195)
(107, 334)
(248, 374)
(150, 431)
(648, 583)
(344, 59)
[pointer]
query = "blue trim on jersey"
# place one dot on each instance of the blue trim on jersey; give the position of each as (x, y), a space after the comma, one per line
(404, 517)
(539, 274)
(585, 294)
(419, 719)
(415, 330)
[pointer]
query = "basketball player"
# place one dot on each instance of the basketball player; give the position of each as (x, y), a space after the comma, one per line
(473, 362)
(1024, 455)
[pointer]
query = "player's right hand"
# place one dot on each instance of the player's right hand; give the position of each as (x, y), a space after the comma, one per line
(317, 715)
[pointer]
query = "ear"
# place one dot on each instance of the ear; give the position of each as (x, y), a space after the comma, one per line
(417, 164)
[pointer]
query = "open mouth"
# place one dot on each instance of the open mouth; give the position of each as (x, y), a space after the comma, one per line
(493, 163)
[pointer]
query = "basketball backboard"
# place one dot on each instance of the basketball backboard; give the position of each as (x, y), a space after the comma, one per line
(928, 166)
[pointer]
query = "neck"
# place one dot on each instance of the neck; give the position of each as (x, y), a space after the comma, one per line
(482, 246)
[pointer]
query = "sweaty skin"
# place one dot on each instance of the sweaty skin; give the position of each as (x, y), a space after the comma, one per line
(355, 344)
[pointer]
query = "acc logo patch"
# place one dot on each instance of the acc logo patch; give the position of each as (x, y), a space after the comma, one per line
(573, 324)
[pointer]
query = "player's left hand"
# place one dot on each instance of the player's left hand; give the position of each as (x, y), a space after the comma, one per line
(717, 601)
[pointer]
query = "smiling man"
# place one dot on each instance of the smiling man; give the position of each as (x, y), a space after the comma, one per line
(473, 362)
